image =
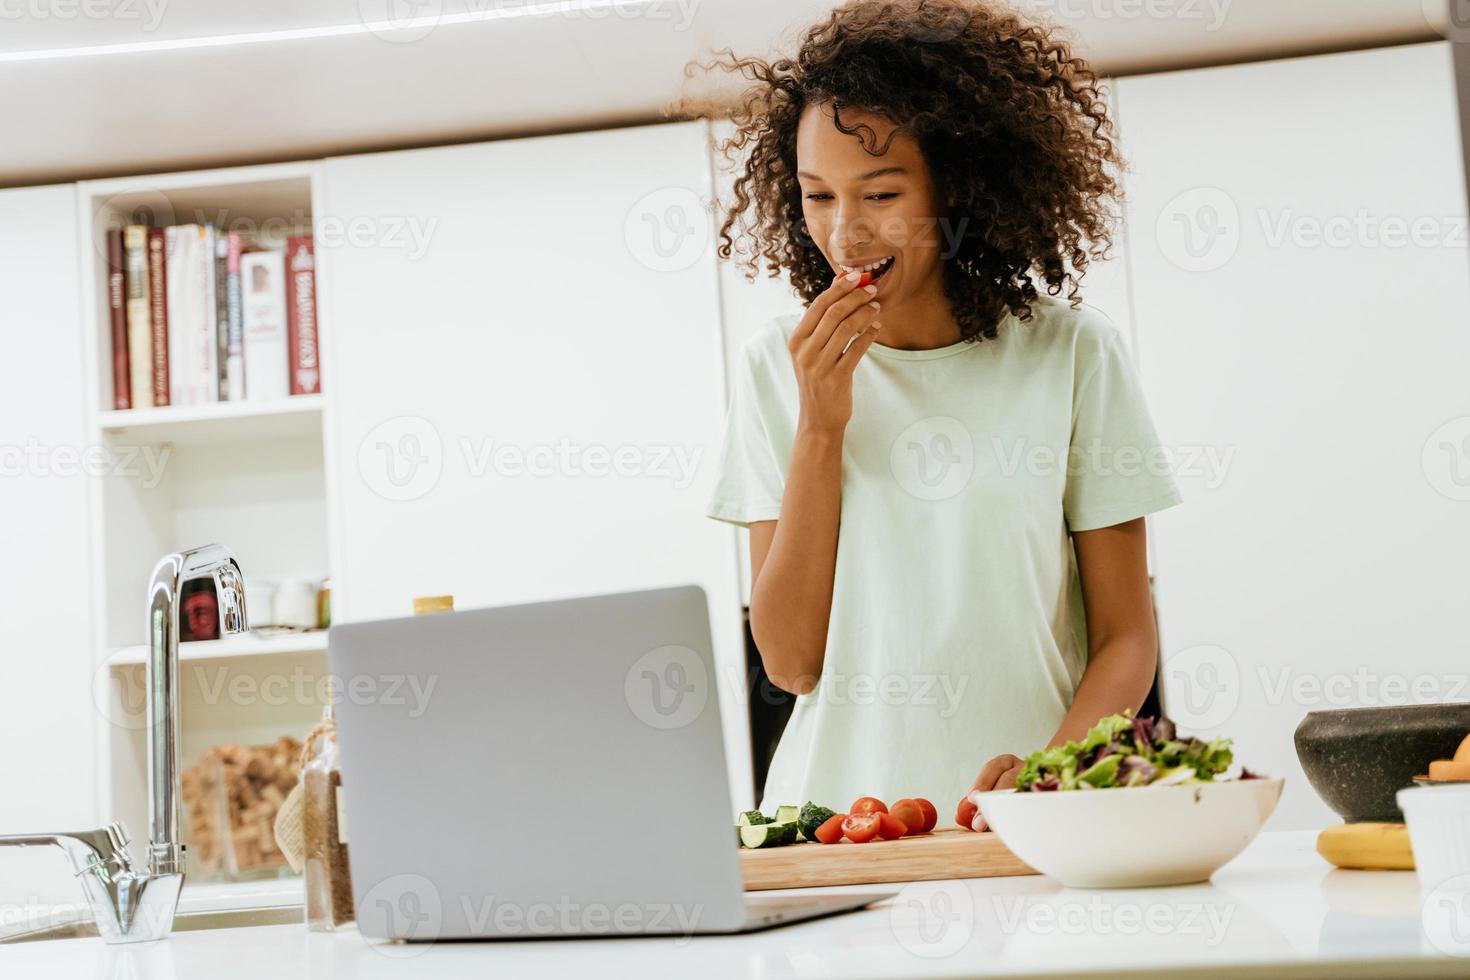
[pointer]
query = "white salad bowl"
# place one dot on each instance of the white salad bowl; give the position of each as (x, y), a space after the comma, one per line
(1131, 837)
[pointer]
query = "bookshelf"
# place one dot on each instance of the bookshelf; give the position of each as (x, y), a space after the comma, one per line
(247, 474)
(253, 644)
(293, 417)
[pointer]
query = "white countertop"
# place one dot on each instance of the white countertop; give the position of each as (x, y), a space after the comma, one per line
(1278, 909)
(196, 897)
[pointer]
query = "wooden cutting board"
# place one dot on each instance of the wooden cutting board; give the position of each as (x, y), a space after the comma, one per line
(947, 852)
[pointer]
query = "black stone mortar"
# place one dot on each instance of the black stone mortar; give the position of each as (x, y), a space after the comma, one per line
(1358, 758)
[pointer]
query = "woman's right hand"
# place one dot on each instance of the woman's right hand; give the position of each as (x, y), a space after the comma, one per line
(823, 357)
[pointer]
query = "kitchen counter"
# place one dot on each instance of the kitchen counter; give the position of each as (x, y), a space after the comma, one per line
(1277, 910)
(264, 893)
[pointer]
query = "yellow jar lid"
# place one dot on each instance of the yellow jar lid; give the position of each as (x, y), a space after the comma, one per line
(432, 604)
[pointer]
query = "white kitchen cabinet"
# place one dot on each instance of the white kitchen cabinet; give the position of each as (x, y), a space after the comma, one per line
(1289, 321)
(47, 725)
(526, 394)
(747, 305)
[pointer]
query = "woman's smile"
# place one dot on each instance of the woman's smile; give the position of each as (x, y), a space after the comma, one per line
(876, 269)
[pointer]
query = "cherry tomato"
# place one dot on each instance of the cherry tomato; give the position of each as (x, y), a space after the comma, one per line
(966, 813)
(931, 815)
(867, 278)
(861, 827)
(910, 813)
(891, 827)
(868, 804)
(830, 832)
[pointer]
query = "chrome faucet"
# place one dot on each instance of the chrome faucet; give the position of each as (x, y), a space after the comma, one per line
(132, 905)
(165, 848)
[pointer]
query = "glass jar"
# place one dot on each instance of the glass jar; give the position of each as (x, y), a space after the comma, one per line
(324, 837)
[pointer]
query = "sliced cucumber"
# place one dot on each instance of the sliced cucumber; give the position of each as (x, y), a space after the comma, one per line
(786, 814)
(768, 834)
(751, 818)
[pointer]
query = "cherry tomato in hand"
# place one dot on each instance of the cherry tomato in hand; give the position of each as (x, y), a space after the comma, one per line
(966, 813)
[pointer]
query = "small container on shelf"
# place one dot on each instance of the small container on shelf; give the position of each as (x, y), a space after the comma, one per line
(432, 604)
(295, 604)
(262, 598)
(324, 604)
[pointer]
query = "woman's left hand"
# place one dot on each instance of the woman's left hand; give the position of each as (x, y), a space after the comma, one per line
(998, 773)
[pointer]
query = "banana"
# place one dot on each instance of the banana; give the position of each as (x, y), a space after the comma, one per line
(1375, 846)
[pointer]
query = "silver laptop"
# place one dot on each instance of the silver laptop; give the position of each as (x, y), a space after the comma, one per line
(553, 769)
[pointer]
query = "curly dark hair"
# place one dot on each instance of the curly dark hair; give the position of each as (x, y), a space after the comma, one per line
(1014, 128)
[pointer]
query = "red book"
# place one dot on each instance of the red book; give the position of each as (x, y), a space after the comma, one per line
(158, 314)
(301, 339)
(117, 309)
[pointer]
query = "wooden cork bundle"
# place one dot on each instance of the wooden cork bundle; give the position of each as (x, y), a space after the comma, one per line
(230, 801)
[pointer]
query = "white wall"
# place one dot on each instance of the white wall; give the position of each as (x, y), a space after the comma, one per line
(1330, 556)
(564, 294)
(746, 306)
(46, 727)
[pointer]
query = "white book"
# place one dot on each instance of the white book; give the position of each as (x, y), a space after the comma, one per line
(263, 302)
(206, 354)
(192, 371)
(175, 258)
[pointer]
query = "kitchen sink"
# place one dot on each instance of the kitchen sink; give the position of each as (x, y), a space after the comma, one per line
(275, 915)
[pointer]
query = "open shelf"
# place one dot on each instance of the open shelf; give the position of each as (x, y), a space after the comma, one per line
(250, 475)
(242, 421)
(251, 644)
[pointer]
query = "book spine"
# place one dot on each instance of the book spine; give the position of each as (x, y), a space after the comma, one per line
(235, 326)
(176, 248)
(221, 313)
(301, 315)
(263, 292)
(117, 308)
(206, 330)
(140, 332)
(158, 316)
(191, 314)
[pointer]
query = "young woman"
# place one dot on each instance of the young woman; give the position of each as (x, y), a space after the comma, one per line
(945, 471)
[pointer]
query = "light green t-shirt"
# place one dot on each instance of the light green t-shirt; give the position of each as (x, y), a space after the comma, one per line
(957, 629)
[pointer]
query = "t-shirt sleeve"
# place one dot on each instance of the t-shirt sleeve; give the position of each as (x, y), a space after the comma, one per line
(749, 481)
(1117, 469)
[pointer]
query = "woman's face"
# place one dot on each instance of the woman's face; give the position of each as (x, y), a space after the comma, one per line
(861, 209)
